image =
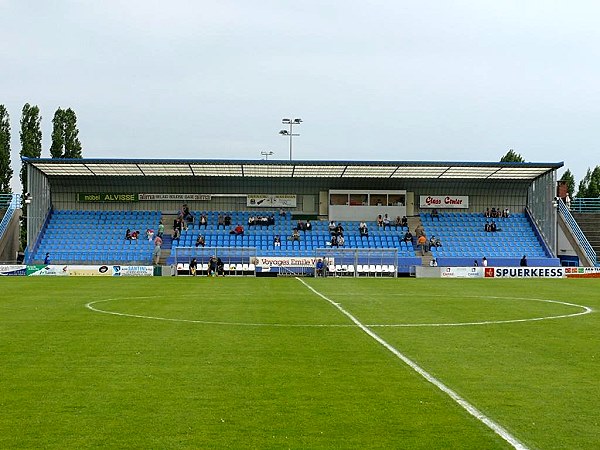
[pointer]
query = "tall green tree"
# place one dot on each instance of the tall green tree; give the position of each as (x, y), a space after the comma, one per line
(31, 137)
(589, 186)
(569, 180)
(5, 170)
(72, 143)
(57, 148)
(512, 156)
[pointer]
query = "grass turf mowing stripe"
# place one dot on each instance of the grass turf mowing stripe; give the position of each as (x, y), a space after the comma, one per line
(471, 409)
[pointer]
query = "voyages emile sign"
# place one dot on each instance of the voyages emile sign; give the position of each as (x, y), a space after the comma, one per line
(106, 197)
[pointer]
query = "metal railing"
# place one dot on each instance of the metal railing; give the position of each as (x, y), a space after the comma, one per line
(585, 205)
(576, 231)
(11, 202)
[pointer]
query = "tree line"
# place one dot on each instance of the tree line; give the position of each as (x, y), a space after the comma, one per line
(65, 140)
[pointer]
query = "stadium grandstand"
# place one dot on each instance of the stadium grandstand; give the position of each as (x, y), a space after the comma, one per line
(79, 212)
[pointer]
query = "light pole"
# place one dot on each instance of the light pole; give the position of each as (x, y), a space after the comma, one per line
(291, 134)
(266, 154)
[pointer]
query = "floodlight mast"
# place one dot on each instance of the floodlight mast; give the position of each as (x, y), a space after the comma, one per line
(290, 133)
(266, 154)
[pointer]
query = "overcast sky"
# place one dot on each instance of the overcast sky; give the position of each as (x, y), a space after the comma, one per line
(463, 80)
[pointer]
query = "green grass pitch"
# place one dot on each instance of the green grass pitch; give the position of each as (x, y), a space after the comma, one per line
(251, 363)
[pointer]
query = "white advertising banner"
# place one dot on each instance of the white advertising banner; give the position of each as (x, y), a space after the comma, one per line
(271, 201)
(444, 201)
(132, 271)
(13, 270)
(461, 272)
(266, 262)
(175, 197)
(525, 272)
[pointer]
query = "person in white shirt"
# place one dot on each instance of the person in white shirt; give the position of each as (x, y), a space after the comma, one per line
(484, 261)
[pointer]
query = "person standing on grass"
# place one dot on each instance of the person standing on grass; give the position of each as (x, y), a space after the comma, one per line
(193, 266)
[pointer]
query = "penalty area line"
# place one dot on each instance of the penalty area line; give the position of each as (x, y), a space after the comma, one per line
(471, 409)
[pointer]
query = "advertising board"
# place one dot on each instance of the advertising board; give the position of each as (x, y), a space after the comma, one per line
(13, 270)
(444, 201)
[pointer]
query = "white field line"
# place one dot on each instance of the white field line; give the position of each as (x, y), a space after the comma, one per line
(586, 310)
(495, 427)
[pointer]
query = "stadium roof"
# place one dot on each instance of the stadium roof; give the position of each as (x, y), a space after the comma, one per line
(292, 169)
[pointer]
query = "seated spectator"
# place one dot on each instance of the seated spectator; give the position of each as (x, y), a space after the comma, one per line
(386, 222)
(407, 236)
(475, 263)
(363, 230)
(128, 234)
(332, 227)
(149, 234)
(238, 230)
(379, 221)
(435, 214)
(300, 225)
(506, 212)
(398, 222)
(341, 241)
(135, 235)
(227, 220)
(493, 226)
(251, 221)
(277, 241)
(200, 241)
(339, 230)
(282, 212)
(176, 235)
(307, 226)
(486, 227)
(295, 235)
(378, 203)
(434, 242)
(486, 213)
(203, 222)
(178, 224)
(433, 263)
(404, 221)
(220, 221)
(263, 221)
(334, 240)
(271, 220)
(494, 213)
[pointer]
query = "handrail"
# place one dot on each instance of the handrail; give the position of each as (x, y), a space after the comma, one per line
(577, 233)
(13, 202)
(585, 205)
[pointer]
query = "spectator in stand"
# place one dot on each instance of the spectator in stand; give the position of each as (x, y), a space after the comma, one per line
(407, 237)
(227, 220)
(493, 227)
(397, 223)
(494, 213)
(308, 226)
(363, 230)
(161, 229)
(379, 221)
(404, 221)
(523, 262)
(47, 259)
(434, 242)
(282, 212)
(339, 230)
(433, 263)
(203, 222)
(486, 227)
(386, 222)
(295, 235)
(419, 231)
(334, 240)
(422, 242)
(135, 235)
(251, 221)
(568, 201)
(484, 261)
(300, 226)
(178, 224)
(332, 227)
(475, 263)
(200, 241)
(150, 234)
(435, 214)
(220, 221)
(341, 241)
(176, 235)
(486, 213)
(193, 267)
(506, 213)
(277, 241)
(156, 252)
(128, 234)
(238, 230)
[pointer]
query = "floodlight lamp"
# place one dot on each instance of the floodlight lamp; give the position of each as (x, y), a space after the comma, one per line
(297, 121)
(284, 132)
(286, 121)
